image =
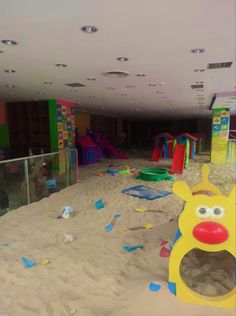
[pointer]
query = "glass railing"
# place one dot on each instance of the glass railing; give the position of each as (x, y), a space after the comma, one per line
(29, 179)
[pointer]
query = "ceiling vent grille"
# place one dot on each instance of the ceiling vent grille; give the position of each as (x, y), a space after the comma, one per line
(225, 64)
(75, 85)
(197, 86)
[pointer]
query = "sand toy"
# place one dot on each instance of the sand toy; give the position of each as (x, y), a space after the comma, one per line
(110, 226)
(145, 226)
(154, 174)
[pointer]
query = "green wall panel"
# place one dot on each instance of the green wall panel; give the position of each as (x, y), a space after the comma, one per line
(4, 136)
(53, 124)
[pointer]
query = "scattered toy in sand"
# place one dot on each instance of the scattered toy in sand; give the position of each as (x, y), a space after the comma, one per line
(165, 252)
(99, 204)
(110, 226)
(44, 262)
(145, 226)
(132, 248)
(154, 287)
(66, 211)
(68, 238)
(144, 192)
(73, 311)
(164, 242)
(6, 245)
(99, 173)
(142, 210)
(28, 264)
(59, 217)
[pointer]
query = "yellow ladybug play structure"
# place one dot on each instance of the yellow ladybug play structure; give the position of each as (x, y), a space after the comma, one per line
(207, 222)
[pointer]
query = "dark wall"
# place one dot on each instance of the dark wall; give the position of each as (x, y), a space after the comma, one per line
(104, 124)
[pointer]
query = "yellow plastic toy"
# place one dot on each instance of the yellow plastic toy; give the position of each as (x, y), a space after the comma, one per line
(207, 222)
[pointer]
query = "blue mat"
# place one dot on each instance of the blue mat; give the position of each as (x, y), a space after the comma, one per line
(144, 192)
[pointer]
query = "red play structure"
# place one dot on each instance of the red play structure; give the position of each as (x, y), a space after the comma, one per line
(163, 146)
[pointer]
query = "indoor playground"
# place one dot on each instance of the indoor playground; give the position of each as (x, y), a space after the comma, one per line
(117, 158)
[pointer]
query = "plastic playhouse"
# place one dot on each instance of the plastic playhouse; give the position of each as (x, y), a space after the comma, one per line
(163, 146)
(207, 223)
(184, 149)
(87, 150)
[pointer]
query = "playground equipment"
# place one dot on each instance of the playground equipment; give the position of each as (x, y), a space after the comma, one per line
(182, 138)
(184, 149)
(103, 145)
(206, 223)
(163, 146)
(87, 151)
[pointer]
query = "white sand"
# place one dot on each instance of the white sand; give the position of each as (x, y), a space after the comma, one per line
(92, 275)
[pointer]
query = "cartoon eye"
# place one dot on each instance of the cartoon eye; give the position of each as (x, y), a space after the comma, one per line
(217, 212)
(203, 211)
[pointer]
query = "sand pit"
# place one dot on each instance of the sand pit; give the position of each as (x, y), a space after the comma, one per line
(91, 274)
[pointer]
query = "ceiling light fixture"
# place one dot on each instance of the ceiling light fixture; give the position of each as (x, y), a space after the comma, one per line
(10, 86)
(48, 82)
(91, 79)
(129, 86)
(123, 94)
(89, 29)
(9, 71)
(61, 65)
(110, 88)
(122, 58)
(40, 92)
(140, 75)
(73, 90)
(9, 42)
(197, 50)
(152, 85)
(199, 70)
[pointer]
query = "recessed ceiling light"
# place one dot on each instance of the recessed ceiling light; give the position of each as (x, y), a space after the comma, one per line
(91, 96)
(11, 95)
(40, 92)
(162, 83)
(198, 50)
(140, 75)
(110, 88)
(73, 90)
(165, 97)
(11, 86)
(48, 82)
(91, 79)
(123, 94)
(61, 65)
(9, 71)
(152, 85)
(122, 58)
(129, 86)
(197, 70)
(89, 29)
(9, 42)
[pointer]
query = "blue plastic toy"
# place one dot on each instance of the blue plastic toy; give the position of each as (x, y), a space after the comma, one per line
(28, 264)
(154, 287)
(99, 204)
(109, 227)
(144, 192)
(132, 248)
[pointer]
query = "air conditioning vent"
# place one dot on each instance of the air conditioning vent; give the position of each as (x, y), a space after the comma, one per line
(115, 74)
(197, 86)
(75, 85)
(225, 64)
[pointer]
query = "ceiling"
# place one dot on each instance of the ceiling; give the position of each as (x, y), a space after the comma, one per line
(156, 36)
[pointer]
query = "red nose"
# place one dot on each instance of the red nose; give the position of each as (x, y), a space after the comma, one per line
(210, 233)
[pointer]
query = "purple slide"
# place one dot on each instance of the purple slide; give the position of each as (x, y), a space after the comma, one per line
(112, 150)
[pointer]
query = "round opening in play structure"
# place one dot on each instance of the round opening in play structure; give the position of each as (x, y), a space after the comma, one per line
(154, 174)
(210, 274)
